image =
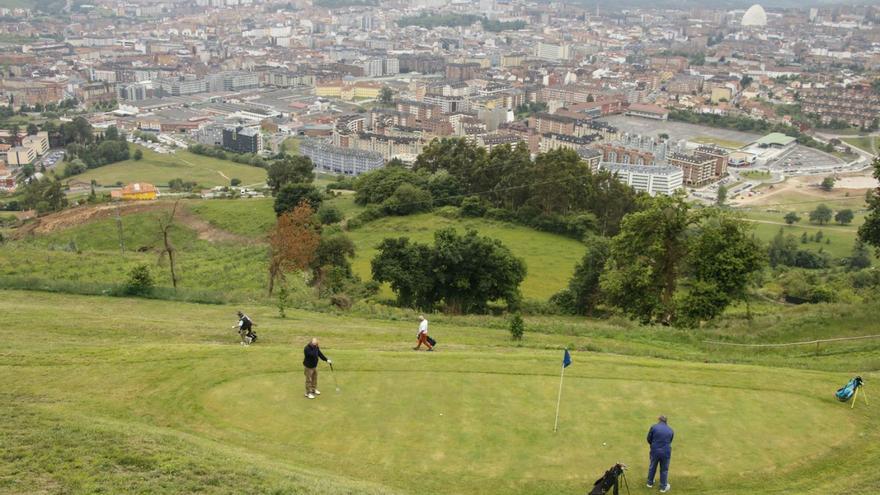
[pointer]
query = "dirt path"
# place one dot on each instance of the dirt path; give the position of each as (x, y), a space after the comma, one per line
(82, 215)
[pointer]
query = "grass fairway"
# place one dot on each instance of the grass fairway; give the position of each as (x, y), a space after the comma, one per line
(159, 169)
(137, 396)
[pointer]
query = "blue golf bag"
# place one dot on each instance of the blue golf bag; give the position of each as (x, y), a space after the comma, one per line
(846, 392)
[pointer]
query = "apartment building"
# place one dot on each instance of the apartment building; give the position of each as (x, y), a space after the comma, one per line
(697, 170)
(652, 179)
(338, 160)
(243, 139)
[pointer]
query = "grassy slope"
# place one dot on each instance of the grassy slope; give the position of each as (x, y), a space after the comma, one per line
(182, 407)
(159, 169)
(550, 258)
(767, 225)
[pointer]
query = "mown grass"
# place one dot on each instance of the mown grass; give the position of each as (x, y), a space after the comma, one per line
(837, 239)
(114, 395)
(158, 169)
(864, 143)
(724, 143)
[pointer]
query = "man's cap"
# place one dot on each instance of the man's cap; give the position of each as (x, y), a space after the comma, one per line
(662, 418)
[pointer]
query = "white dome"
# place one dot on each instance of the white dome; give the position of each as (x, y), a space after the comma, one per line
(755, 16)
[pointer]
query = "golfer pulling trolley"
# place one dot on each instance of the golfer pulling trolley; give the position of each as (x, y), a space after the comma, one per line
(311, 354)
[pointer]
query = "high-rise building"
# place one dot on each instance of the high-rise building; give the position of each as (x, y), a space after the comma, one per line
(243, 139)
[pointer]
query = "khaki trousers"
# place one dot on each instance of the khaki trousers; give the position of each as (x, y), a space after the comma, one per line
(311, 380)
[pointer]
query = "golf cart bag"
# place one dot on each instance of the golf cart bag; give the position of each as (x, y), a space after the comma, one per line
(432, 341)
(609, 481)
(846, 392)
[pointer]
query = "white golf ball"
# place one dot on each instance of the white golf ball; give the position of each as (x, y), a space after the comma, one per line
(604, 444)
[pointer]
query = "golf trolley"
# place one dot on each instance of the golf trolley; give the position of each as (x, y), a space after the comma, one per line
(611, 481)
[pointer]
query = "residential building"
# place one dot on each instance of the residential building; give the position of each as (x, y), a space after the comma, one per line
(720, 155)
(550, 51)
(697, 170)
(652, 179)
(20, 155)
(647, 111)
(39, 142)
(338, 160)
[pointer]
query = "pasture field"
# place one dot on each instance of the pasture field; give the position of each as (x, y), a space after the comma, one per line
(767, 224)
(158, 169)
(865, 143)
(113, 395)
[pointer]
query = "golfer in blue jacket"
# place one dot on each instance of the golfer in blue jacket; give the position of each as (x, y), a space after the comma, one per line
(660, 439)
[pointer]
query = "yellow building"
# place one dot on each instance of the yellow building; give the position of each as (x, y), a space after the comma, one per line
(136, 191)
(348, 92)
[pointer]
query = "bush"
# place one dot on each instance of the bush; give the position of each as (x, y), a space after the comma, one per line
(517, 327)
(140, 281)
(341, 301)
(234, 182)
(473, 206)
(408, 199)
(329, 214)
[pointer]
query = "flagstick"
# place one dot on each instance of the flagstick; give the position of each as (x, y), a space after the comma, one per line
(559, 398)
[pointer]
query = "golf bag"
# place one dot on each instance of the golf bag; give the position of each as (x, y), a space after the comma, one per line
(846, 392)
(432, 341)
(609, 481)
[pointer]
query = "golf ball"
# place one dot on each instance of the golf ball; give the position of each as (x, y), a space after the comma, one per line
(604, 444)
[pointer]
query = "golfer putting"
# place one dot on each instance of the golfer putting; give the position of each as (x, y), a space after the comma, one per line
(660, 439)
(311, 354)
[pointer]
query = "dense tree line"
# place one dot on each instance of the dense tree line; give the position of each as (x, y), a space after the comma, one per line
(556, 192)
(221, 154)
(869, 232)
(431, 21)
(91, 152)
(670, 263)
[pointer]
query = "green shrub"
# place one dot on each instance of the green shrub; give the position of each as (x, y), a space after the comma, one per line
(517, 327)
(140, 281)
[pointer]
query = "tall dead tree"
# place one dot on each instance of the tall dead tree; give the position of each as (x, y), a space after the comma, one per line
(166, 222)
(292, 242)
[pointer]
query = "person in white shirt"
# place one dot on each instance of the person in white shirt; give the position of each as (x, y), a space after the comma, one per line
(423, 334)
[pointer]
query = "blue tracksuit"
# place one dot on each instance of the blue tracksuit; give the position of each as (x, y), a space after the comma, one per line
(660, 439)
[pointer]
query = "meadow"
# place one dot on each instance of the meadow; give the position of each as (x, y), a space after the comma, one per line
(158, 169)
(113, 395)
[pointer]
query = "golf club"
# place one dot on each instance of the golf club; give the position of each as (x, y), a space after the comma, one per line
(333, 373)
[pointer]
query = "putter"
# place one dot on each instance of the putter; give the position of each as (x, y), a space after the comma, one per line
(333, 374)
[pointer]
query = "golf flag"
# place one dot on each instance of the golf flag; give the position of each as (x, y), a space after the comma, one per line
(566, 360)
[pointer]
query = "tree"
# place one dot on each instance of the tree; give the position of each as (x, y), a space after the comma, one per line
(470, 270)
(290, 170)
(644, 260)
(44, 195)
(406, 200)
(821, 215)
(746, 81)
(869, 232)
(860, 257)
(473, 206)
(138, 155)
(722, 256)
(377, 186)
(783, 249)
(234, 182)
(721, 198)
(827, 183)
(584, 284)
(329, 214)
(292, 242)
(386, 96)
(32, 129)
(112, 133)
(166, 223)
(791, 218)
(406, 266)
(464, 272)
(844, 217)
(140, 281)
(293, 194)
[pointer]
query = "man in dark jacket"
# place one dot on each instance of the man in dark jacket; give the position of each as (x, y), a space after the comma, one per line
(310, 361)
(660, 439)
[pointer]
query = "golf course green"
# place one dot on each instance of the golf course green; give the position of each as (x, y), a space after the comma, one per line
(116, 395)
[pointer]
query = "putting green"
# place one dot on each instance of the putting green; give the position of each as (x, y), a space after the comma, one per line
(419, 425)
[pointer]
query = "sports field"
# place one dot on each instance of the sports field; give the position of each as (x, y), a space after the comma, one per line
(111, 395)
(159, 169)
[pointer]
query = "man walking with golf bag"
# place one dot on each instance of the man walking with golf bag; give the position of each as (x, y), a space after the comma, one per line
(660, 439)
(423, 335)
(312, 353)
(245, 329)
